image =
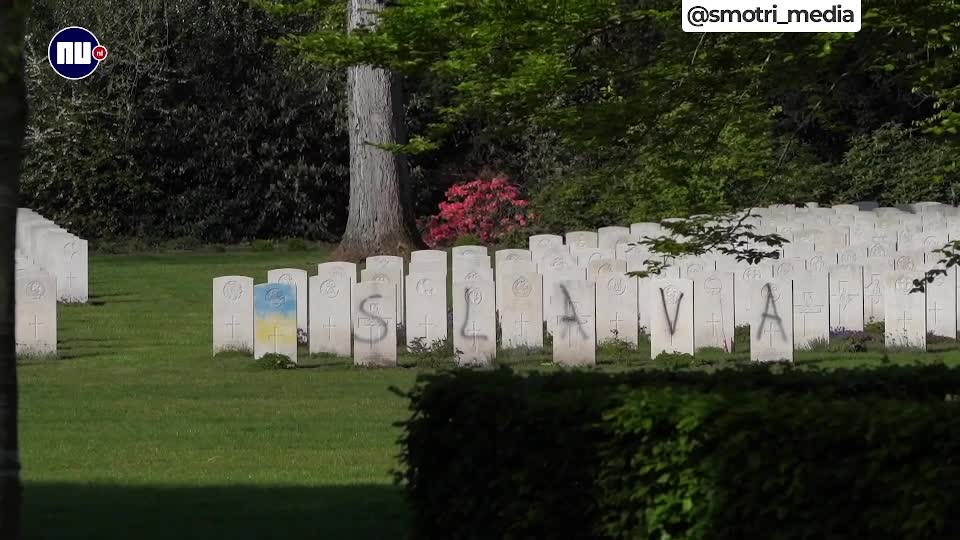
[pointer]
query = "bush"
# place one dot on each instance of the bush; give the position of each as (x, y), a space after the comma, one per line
(468, 240)
(756, 465)
(274, 361)
(149, 145)
(743, 453)
(297, 244)
(261, 246)
(488, 209)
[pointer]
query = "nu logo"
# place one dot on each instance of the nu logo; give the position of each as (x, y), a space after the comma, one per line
(75, 53)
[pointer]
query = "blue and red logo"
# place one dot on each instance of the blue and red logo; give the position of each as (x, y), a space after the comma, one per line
(75, 53)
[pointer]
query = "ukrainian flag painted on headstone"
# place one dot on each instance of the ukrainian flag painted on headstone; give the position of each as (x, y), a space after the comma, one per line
(275, 319)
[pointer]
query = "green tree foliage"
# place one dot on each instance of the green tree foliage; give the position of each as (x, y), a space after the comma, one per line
(195, 126)
(623, 116)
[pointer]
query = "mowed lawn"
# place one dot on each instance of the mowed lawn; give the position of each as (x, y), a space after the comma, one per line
(136, 432)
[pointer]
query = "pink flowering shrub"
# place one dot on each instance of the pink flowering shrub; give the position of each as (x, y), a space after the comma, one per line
(488, 209)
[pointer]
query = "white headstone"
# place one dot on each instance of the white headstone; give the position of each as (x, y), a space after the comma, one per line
(504, 256)
(429, 256)
(71, 266)
(520, 307)
(771, 324)
(275, 320)
(609, 237)
(297, 278)
(582, 240)
(390, 277)
(374, 305)
(330, 319)
(941, 297)
(846, 298)
(469, 251)
(714, 313)
(549, 278)
(574, 342)
(605, 265)
(811, 309)
(616, 307)
(36, 313)
(556, 259)
(873, 303)
(426, 308)
(542, 242)
(232, 313)
(392, 266)
(474, 323)
(671, 316)
(586, 255)
(472, 268)
(905, 312)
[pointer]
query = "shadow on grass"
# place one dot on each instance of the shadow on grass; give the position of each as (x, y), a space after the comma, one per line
(118, 512)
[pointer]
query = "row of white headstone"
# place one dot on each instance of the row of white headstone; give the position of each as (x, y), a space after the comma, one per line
(51, 266)
(698, 311)
(684, 315)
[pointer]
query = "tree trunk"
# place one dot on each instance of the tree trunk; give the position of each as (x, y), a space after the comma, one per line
(380, 218)
(13, 118)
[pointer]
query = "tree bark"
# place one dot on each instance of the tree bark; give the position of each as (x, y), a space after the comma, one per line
(380, 216)
(13, 119)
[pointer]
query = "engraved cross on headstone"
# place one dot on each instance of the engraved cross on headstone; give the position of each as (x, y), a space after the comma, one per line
(714, 323)
(426, 325)
(474, 333)
(521, 325)
(329, 326)
(233, 324)
(36, 324)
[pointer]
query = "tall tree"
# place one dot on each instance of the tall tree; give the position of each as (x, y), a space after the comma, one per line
(380, 216)
(13, 119)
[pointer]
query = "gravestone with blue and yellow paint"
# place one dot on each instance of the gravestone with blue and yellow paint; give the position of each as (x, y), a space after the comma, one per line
(275, 320)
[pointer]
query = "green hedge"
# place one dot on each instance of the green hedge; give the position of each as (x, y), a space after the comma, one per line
(848, 454)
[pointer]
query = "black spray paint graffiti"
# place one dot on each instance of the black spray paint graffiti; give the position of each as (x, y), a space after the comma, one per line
(671, 323)
(770, 312)
(570, 317)
(372, 320)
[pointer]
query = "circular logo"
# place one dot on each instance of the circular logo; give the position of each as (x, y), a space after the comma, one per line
(671, 294)
(694, 268)
(425, 287)
(35, 290)
(329, 289)
(930, 242)
(903, 285)
(521, 287)
(544, 242)
(75, 53)
(472, 276)
(772, 291)
(558, 263)
(232, 290)
(468, 252)
(475, 296)
(381, 277)
(785, 269)
(713, 285)
(286, 279)
(274, 296)
(513, 257)
(877, 250)
(581, 244)
(905, 263)
(847, 257)
(605, 267)
(616, 285)
(817, 263)
(752, 273)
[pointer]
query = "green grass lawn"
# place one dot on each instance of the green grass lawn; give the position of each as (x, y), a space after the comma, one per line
(137, 432)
